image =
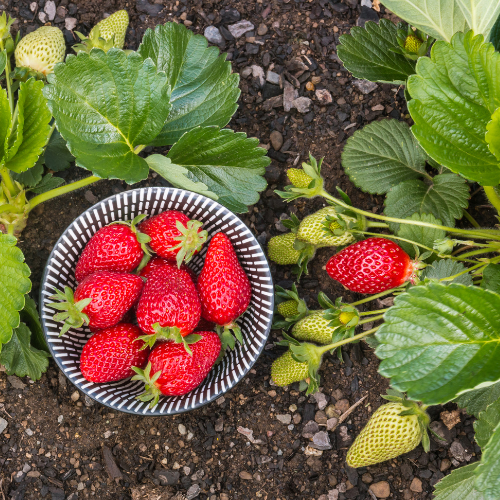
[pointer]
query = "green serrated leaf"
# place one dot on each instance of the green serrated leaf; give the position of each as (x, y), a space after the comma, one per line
(229, 164)
(5, 123)
(32, 176)
(488, 471)
(176, 175)
(446, 198)
(204, 92)
(105, 105)
(382, 155)
(57, 156)
(29, 316)
(454, 95)
(20, 358)
(440, 340)
(420, 234)
(14, 285)
(368, 53)
(493, 134)
(3, 61)
(35, 125)
(487, 422)
(459, 485)
(440, 19)
(47, 183)
(491, 278)
(495, 34)
(480, 15)
(478, 400)
(445, 268)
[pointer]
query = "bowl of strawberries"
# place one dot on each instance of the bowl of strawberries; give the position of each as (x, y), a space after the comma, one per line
(156, 301)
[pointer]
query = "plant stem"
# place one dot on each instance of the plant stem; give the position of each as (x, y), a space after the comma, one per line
(369, 320)
(465, 271)
(62, 190)
(471, 233)
(7, 79)
(394, 238)
(471, 219)
(377, 296)
(359, 336)
(139, 148)
(478, 252)
(493, 197)
(367, 313)
(376, 224)
(4, 172)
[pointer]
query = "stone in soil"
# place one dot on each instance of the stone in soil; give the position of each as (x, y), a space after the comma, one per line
(366, 15)
(230, 15)
(290, 93)
(381, 489)
(16, 382)
(309, 429)
(458, 451)
(50, 9)
(212, 34)
(276, 140)
(416, 485)
(167, 477)
(3, 424)
(258, 74)
(365, 86)
(273, 77)
(70, 23)
(284, 419)
(302, 104)
(149, 9)
(324, 97)
(239, 29)
(321, 441)
(193, 491)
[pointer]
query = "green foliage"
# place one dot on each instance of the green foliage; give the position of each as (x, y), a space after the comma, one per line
(438, 341)
(459, 485)
(105, 105)
(14, 285)
(57, 156)
(22, 359)
(488, 471)
(494, 34)
(29, 316)
(491, 278)
(445, 197)
(453, 103)
(204, 92)
(487, 422)
(372, 53)
(420, 234)
(382, 155)
(476, 401)
(445, 268)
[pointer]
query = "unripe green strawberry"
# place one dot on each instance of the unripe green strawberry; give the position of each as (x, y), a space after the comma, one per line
(116, 24)
(412, 43)
(280, 249)
(311, 229)
(388, 434)
(288, 308)
(285, 370)
(298, 177)
(41, 50)
(314, 328)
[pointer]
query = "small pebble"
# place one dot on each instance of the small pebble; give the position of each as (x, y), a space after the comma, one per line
(75, 396)
(381, 489)
(262, 29)
(284, 419)
(276, 140)
(3, 424)
(245, 475)
(212, 34)
(240, 28)
(182, 429)
(416, 485)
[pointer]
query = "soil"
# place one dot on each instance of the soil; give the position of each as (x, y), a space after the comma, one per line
(59, 444)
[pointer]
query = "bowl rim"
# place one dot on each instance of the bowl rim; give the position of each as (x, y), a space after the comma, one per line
(197, 405)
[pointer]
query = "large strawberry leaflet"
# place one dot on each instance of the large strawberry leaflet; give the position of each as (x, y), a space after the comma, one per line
(169, 307)
(100, 300)
(224, 289)
(172, 371)
(174, 236)
(118, 247)
(110, 354)
(371, 266)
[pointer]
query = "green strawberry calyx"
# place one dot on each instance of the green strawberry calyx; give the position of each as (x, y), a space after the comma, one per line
(71, 312)
(190, 240)
(339, 313)
(226, 337)
(413, 408)
(412, 43)
(14, 215)
(168, 333)
(93, 41)
(151, 393)
(290, 307)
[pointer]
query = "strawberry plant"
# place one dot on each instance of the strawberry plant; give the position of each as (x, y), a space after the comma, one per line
(438, 342)
(101, 108)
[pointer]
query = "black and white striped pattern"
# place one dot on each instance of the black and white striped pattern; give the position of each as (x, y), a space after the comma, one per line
(255, 323)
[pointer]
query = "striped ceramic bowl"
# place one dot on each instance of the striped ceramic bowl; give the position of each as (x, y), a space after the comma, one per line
(255, 322)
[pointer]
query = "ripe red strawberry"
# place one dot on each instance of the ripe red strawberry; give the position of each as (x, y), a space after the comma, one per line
(100, 300)
(174, 236)
(169, 307)
(157, 262)
(172, 371)
(224, 289)
(118, 247)
(371, 266)
(110, 354)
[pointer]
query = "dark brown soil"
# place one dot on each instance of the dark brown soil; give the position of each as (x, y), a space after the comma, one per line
(59, 445)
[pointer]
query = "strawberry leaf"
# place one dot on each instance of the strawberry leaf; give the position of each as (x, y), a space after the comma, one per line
(487, 422)
(420, 234)
(3, 60)
(487, 473)
(33, 127)
(29, 316)
(105, 105)
(32, 176)
(14, 285)
(443, 269)
(453, 103)
(47, 183)
(478, 400)
(382, 155)
(20, 358)
(491, 278)
(204, 92)
(370, 53)
(459, 485)
(221, 162)
(445, 198)
(5, 123)
(440, 340)
(57, 156)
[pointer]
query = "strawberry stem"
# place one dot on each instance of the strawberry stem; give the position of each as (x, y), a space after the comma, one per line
(151, 392)
(71, 312)
(492, 197)
(377, 296)
(168, 333)
(190, 240)
(368, 313)
(226, 337)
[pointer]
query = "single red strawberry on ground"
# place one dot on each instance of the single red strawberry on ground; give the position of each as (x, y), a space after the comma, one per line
(99, 301)
(169, 307)
(157, 262)
(224, 289)
(371, 266)
(174, 236)
(172, 371)
(110, 354)
(118, 247)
